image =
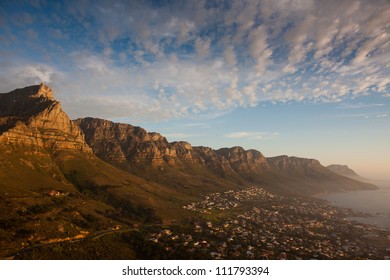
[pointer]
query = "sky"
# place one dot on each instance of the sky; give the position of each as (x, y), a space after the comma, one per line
(302, 78)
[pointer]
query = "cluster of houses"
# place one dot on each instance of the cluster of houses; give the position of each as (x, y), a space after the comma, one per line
(228, 200)
(277, 227)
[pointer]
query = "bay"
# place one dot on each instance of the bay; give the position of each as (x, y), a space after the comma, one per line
(374, 202)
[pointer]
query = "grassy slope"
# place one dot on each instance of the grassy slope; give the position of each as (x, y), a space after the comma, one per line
(95, 196)
(102, 181)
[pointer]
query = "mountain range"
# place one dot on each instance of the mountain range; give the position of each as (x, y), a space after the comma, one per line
(62, 178)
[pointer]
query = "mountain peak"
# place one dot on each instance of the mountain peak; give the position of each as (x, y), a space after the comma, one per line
(31, 116)
(25, 103)
(44, 91)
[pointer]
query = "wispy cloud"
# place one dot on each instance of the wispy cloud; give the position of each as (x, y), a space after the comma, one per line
(363, 115)
(193, 125)
(179, 136)
(252, 135)
(360, 106)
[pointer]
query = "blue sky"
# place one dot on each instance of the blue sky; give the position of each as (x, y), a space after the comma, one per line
(301, 77)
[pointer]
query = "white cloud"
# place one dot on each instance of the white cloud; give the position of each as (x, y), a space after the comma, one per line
(166, 89)
(202, 47)
(289, 69)
(258, 48)
(252, 135)
(370, 46)
(20, 75)
(230, 56)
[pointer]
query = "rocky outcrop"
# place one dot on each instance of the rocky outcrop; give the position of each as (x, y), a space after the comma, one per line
(32, 117)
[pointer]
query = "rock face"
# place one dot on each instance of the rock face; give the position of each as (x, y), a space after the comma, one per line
(241, 160)
(123, 143)
(295, 164)
(32, 117)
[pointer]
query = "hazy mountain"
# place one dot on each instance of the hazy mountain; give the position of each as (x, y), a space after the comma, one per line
(309, 176)
(344, 170)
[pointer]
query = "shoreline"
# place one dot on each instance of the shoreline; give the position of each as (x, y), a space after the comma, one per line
(373, 213)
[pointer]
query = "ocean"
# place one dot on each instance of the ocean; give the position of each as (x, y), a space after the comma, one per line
(374, 202)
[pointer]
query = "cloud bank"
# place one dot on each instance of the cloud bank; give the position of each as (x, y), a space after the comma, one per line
(150, 60)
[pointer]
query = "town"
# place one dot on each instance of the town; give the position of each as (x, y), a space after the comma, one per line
(253, 223)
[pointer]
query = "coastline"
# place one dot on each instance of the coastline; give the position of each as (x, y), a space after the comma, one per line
(370, 206)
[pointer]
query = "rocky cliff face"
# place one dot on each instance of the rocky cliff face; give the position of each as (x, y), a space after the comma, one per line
(32, 117)
(295, 164)
(123, 143)
(243, 160)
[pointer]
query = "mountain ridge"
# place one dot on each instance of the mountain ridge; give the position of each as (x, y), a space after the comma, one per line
(135, 145)
(62, 179)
